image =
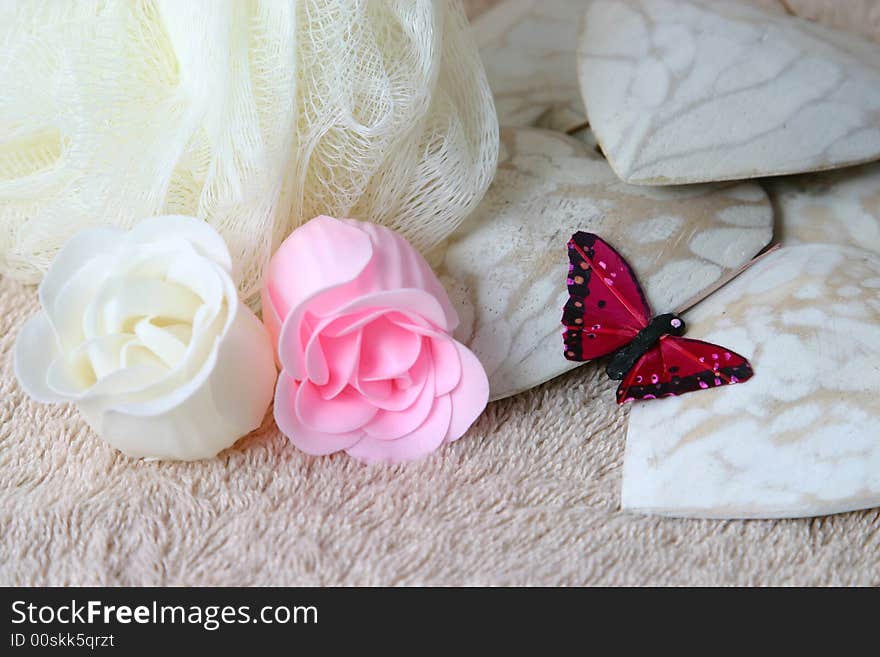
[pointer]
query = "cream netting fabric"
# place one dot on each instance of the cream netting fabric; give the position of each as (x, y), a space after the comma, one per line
(255, 116)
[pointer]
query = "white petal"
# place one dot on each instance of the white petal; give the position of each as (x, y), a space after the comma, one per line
(73, 297)
(35, 349)
(194, 424)
(212, 323)
(131, 299)
(92, 371)
(164, 344)
(198, 275)
(197, 232)
(75, 253)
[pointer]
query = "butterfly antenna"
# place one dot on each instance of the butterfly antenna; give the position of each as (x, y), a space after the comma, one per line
(583, 125)
(693, 301)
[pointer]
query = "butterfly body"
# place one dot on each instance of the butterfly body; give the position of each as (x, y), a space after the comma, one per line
(625, 358)
(607, 313)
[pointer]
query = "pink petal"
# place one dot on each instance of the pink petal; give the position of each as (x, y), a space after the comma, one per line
(302, 436)
(312, 332)
(390, 425)
(317, 369)
(330, 267)
(408, 386)
(343, 354)
(321, 255)
(424, 440)
(447, 364)
(418, 302)
(351, 322)
(417, 324)
(367, 343)
(346, 412)
(470, 396)
(396, 265)
(387, 350)
(375, 390)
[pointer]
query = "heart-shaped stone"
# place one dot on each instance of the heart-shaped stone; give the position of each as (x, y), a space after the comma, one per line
(860, 17)
(801, 437)
(834, 207)
(505, 267)
(528, 49)
(697, 90)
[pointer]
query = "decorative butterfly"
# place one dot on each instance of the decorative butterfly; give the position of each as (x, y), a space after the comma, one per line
(607, 313)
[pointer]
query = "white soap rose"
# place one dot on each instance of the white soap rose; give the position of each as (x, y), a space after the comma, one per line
(143, 330)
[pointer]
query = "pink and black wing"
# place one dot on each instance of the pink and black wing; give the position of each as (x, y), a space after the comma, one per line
(675, 366)
(606, 307)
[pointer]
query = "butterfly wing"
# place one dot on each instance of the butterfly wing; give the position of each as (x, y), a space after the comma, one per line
(677, 365)
(606, 307)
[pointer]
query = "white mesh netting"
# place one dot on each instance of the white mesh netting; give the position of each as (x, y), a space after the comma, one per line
(255, 116)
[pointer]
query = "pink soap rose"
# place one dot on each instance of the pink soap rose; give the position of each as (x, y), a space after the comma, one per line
(363, 330)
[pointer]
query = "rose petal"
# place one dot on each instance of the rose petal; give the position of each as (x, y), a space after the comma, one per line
(103, 354)
(302, 436)
(318, 256)
(211, 325)
(164, 343)
(200, 276)
(134, 354)
(317, 368)
(66, 314)
(405, 300)
(319, 330)
(387, 350)
(390, 425)
(470, 396)
(408, 386)
(375, 391)
(78, 250)
(343, 354)
(180, 285)
(322, 254)
(424, 440)
(201, 235)
(201, 422)
(417, 324)
(397, 265)
(337, 326)
(197, 422)
(330, 267)
(35, 349)
(93, 371)
(345, 412)
(129, 299)
(447, 364)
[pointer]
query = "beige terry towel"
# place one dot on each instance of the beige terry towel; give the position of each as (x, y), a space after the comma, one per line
(529, 496)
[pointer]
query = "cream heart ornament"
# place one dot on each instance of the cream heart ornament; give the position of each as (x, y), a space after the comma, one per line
(693, 91)
(798, 439)
(505, 268)
(860, 17)
(528, 49)
(833, 207)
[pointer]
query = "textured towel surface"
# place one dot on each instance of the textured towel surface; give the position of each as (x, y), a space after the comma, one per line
(529, 496)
